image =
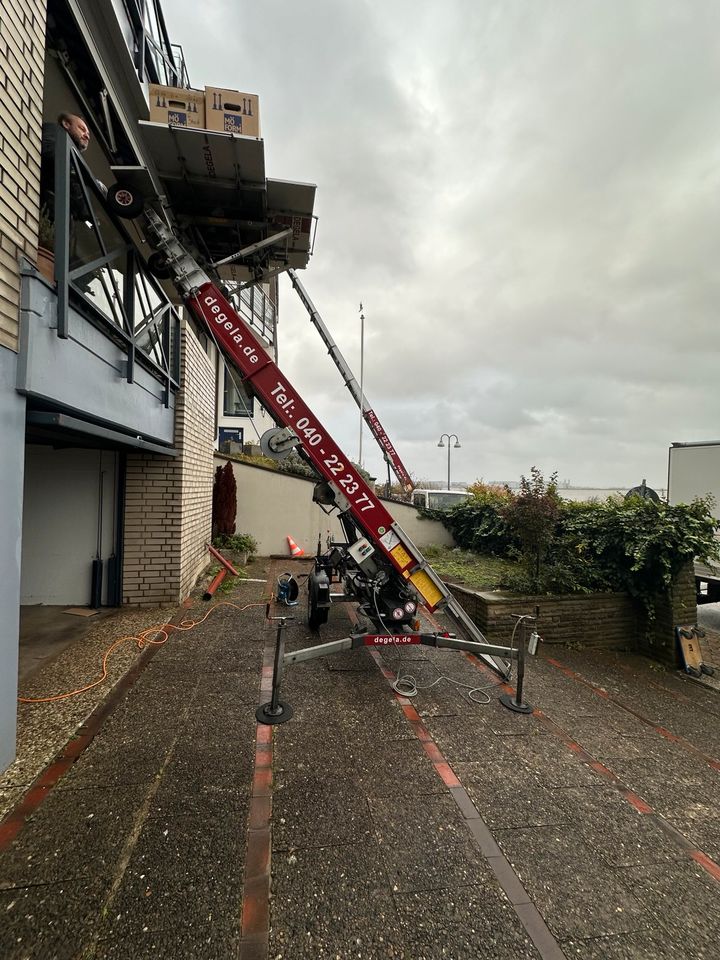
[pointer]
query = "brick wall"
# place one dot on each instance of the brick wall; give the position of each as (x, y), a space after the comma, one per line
(594, 620)
(168, 501)
(611, 620)
(22, 49)
(195, 438)
(656, 637)
(151, 565)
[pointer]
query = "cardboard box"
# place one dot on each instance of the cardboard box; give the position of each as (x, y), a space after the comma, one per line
(232, 112)
(176, 105)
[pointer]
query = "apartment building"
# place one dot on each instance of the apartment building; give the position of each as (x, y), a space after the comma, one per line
(112, 399)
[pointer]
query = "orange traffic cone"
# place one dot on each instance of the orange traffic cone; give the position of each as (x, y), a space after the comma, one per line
(295, 550)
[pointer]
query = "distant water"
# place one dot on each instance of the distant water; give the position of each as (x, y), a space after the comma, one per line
(572, 493)
(599, 493)
(591, 493)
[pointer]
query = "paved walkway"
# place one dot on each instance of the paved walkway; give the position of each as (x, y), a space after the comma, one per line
(370, 826)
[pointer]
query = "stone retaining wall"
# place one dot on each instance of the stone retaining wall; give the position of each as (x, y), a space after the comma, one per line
(607, 620)
(611, 620)
(656, 638)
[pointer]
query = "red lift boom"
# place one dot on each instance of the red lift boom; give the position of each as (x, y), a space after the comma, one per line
(380, 565)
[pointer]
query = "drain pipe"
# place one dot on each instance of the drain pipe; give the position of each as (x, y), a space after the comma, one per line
(218, 579)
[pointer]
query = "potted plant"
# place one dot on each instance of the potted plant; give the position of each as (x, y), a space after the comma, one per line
(244, 545)
(46, 245)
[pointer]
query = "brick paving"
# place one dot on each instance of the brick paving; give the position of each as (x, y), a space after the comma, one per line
(372, 826)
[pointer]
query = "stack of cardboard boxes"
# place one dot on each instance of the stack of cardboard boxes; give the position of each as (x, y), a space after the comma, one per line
(214, 108)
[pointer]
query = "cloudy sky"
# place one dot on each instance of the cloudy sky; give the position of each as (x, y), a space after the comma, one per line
(525, 196)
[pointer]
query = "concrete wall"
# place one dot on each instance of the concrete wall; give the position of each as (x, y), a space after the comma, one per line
(12, 431)
(22, 50)
(421, 531)
(272, 505)
(60, 522)
(168, 501)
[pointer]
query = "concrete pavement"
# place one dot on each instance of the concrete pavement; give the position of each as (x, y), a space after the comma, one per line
(369, 825)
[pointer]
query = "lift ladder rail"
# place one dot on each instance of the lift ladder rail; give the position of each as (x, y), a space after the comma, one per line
(369, 416)
(286, 406)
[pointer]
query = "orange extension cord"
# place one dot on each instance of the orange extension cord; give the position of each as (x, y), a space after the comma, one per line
(147, 637)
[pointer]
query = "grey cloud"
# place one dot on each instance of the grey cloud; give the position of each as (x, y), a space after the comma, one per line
(526, 199)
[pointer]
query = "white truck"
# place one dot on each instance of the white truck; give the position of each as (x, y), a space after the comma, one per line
(694, 471)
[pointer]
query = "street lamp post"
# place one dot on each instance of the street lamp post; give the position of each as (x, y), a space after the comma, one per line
(449, 437)
(362, 396)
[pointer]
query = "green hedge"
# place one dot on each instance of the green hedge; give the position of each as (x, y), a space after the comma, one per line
(633, 545)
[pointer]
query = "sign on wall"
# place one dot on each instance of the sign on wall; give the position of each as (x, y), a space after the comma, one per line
(230, 439)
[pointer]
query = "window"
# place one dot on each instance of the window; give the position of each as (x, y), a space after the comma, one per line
(237, 400)
(438, 499)
(445, 499)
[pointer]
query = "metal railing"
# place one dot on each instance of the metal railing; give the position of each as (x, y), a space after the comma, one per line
(157, 66)
(103, 275)
(256, 308)
(156, 59)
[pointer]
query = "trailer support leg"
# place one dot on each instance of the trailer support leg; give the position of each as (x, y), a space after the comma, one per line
(516, 703)
(276, 710)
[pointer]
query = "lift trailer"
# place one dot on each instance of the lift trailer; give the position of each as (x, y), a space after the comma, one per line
(392, 457)
(379, 564)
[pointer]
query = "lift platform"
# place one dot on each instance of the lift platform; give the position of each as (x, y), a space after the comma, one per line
(246, 226)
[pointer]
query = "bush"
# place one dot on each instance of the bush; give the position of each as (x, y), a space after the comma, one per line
(532, 516)
(478, 523)
(224, 501)
(635, 545)
(240, 542)
(294, 463)
(638, 545)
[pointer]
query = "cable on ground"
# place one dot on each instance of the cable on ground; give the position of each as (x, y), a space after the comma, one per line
(145, 638)
(405, 685)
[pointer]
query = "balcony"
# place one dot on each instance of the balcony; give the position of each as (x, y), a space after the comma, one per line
(255, 307)
(157, 60)
(103, 343)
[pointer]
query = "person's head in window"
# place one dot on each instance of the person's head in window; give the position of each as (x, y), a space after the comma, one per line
(77, 130)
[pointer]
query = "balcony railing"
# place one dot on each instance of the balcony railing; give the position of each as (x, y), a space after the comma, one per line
(256, 308)
(102, 274)
(157, 59)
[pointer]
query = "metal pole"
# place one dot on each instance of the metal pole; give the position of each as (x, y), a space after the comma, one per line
(276, 710)
(449, 437)
(515, 703)
(362, 397)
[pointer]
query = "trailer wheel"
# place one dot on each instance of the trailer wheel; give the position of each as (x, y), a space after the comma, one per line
(318, 591)
(158, 265)
(124, 201)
